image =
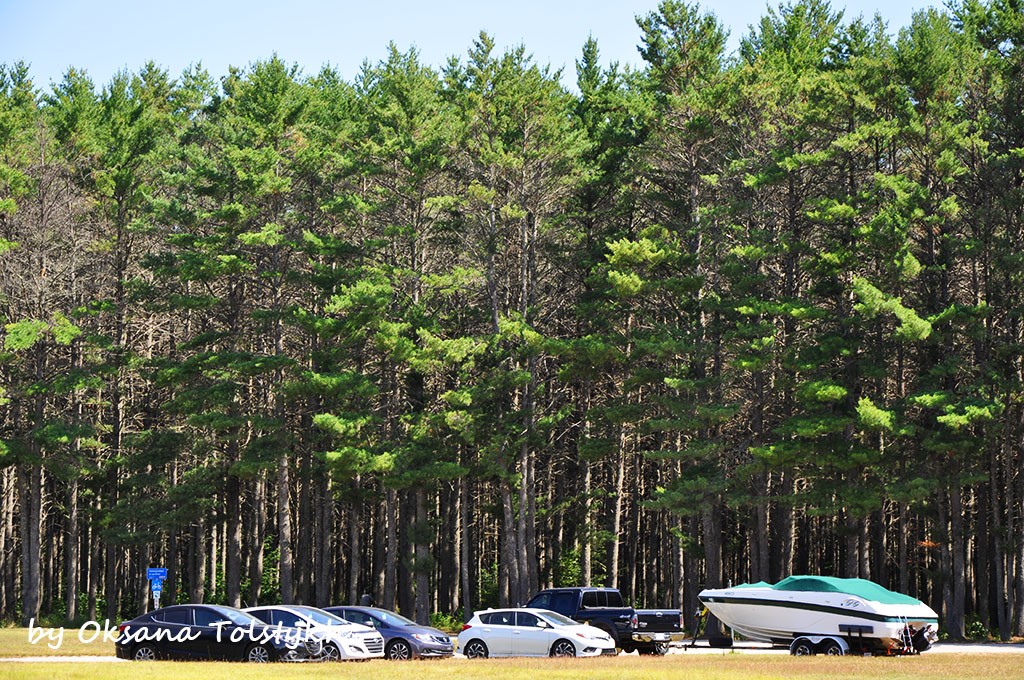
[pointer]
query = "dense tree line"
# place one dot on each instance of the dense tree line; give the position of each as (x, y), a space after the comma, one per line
(449, 335)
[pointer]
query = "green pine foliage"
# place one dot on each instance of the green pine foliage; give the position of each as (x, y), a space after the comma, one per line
(750, 314)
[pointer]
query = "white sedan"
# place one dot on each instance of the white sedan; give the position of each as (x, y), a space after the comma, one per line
(530, 632)
(341, 639)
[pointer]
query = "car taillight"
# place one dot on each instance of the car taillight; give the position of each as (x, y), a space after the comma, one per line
(634, 621)
(120, 629)
(466, 626)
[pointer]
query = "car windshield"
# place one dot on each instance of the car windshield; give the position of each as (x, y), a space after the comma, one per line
(236, 617)
(557, 619)
(393, 618)
(321, 617)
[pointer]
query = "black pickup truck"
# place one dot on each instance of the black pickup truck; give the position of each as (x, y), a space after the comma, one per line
(648, 631)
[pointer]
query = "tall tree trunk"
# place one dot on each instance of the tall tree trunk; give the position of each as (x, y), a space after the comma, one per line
(620, 489)
(1002, 495)
(197, 548)
(712, 526)
(465, 541)
(259, 521)
(355, 552)
(520, 586)
(587, 554)
(94, 573)
(902, 548)
(71, 556)
(142, 594)
(423, 564)
(304, 528)
(851, 545)
(284, 531)
(233, 538)
(30, 490)
(391, 554)
(957, 575)
(8, 495)
(325, 525)
(509, 588)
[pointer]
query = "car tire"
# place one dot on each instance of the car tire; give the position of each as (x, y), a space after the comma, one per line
(563, 648)
(654, 649)
(398, 650)
(144, 652)
(475, 649)
(331, 652)
(259, 654)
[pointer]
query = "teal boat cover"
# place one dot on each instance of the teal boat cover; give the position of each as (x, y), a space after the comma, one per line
(862, 588)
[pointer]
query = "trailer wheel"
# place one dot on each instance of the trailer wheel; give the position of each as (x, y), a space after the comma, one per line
(831, 648)
(802, 647)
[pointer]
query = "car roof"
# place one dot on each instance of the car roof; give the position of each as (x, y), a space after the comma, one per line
(282, 607)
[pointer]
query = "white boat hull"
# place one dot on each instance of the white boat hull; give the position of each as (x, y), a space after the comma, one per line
(768, 615)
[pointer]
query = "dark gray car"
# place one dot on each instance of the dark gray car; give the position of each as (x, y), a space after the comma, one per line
(403, 638)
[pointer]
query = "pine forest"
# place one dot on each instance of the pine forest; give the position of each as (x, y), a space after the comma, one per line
(449, 334)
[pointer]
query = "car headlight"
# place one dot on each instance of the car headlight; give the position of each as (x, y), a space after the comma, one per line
(344, 633)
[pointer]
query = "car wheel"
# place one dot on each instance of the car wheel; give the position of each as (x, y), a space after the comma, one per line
(475, 650)
(399, 650)
(144, 652)
(802, 647)
(331, 652)
(563, 648)
(258, 654)
(831, 648)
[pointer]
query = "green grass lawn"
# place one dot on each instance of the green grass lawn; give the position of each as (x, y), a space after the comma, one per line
(15, 642)
(673, 667)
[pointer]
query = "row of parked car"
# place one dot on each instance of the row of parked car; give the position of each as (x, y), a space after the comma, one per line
(277, 633)
(556, 622)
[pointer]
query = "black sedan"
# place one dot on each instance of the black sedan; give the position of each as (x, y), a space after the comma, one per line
(403, 638)
(194, 631)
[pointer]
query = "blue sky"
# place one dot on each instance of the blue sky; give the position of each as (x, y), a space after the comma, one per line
(104, 36)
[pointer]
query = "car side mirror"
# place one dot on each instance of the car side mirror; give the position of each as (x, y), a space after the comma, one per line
(543, 624)
(301, 624)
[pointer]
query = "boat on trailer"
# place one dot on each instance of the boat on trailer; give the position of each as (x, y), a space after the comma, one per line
(826, 615)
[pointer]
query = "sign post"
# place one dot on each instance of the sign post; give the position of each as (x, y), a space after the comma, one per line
(156, 576)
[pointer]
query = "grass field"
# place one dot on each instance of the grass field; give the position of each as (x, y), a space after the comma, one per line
(14, 642)
(671, 667)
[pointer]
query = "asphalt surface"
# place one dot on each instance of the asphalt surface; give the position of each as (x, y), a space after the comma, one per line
(938, 648)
